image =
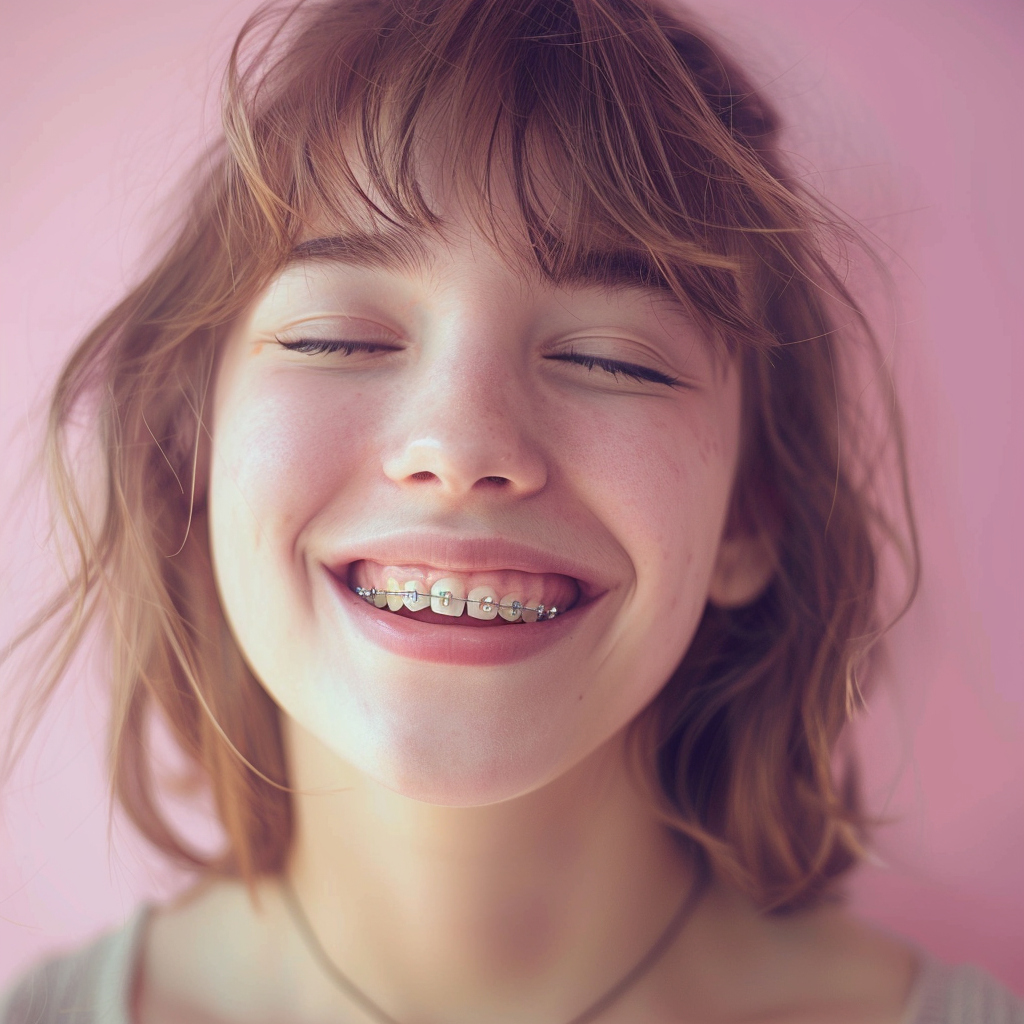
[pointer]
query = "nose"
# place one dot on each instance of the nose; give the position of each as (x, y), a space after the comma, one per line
(467, 426)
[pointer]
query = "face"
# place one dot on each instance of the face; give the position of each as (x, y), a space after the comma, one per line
(441, 422)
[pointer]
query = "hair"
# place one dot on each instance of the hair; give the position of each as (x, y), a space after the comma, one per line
(622, 135)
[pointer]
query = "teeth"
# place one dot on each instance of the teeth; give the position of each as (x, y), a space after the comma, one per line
(483, 603)
(415, 599)
(447, 597)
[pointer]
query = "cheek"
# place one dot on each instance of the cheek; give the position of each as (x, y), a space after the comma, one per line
(281, 451)
(282, 454)
(660, 479)
(660, 482)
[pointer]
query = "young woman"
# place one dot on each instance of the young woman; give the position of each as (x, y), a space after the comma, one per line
(487, 515)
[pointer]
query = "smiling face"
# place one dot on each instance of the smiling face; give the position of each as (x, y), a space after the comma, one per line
(440, 417)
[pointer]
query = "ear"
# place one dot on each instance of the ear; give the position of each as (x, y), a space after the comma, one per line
(743, 569)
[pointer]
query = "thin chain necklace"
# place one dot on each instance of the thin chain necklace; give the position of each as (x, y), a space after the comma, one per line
(592, 1012)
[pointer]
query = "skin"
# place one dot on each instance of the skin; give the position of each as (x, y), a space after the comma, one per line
(311, 451)
(470, 844)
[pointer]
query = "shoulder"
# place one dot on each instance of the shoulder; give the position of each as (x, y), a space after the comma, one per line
(91, 985)
(961, 995)
(817, 965)
(821, 965)
(212, 954)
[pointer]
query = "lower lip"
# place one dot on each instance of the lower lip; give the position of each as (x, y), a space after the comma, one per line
(454, 645)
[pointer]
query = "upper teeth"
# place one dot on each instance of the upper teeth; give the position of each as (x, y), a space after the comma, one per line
(448, 597)
(513, 594)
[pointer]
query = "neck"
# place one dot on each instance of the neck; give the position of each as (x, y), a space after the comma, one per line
(534, 905)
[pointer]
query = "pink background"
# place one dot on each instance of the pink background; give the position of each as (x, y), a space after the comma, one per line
(909, 112)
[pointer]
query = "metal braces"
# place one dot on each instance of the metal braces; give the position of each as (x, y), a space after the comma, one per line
(446, 596)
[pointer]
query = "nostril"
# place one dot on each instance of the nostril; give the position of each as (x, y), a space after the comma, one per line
(423, 475)
(501, 481)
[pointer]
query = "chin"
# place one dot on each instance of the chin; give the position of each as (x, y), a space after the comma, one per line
(454, 763)
(454, 777)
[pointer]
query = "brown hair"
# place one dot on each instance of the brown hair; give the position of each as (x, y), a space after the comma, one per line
(626, 135)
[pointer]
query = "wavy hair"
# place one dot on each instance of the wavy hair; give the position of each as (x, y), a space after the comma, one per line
(625, 133)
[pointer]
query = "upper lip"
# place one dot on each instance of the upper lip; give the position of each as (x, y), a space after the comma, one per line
(467, 554)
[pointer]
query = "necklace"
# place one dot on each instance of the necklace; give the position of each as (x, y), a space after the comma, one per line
(592, 1012)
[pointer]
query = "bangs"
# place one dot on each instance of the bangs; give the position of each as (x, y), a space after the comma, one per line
(578, 138)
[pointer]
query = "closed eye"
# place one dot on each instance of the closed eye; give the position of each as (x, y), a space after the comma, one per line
(315, 347)
(615, 367)
(627, 371)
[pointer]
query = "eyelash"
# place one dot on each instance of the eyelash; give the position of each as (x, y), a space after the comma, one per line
(630, 371)
(312, 347)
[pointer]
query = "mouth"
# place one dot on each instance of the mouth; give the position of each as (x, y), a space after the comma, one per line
(430, 596)
(442, 596)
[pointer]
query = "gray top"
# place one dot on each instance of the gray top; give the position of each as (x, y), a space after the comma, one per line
(93, 986)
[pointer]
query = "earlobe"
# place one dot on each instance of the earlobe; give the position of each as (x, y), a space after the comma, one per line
(743, 569)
